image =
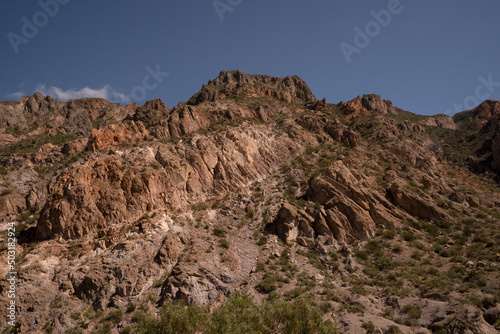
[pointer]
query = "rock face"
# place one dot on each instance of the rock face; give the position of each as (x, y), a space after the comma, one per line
(29, 109)
(45, 114)
(338, 131)
(252, 187)
(91, 198)
(351, 208)
(492, 315)
(495, 148)
(441, 121)
(481, 135)
(113, 135)
(367, 104)
(230, 83)
(291, 223)
(476, 118)
(414, 205)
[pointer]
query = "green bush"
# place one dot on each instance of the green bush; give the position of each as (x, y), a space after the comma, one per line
(199, 206)
(408, 236)
(413, 311)
(31, 145)
(113, 317)
(393, 330)
(268, 283)
(369, 327)
(224, 243)
(384, 263)
(218, 232)
(239, 315)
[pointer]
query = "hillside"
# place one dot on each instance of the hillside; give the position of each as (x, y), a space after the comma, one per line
(252, 197)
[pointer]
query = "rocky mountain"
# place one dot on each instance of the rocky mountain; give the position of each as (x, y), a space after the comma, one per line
(252, 195)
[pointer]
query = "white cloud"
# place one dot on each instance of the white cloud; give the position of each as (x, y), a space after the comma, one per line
(16, 95)
(107, 92)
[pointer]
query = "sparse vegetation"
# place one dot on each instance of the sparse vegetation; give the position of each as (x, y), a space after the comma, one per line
(239, 315)
(32, 145)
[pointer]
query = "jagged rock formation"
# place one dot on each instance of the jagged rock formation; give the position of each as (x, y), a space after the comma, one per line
(369, 103)
(253, 186)
(232, 83)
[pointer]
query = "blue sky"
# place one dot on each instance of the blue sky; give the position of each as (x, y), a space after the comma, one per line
(432, 57)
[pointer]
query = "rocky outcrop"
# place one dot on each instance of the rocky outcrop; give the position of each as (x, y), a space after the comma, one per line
(90, 198)
(75, 117)
(351, 207)
(291, 223)
(12, 204)
(105, 282)
(22, 115)
(190, 285)
(338, 131)
(349, 211)
(115, 134)
(369, 103)
(75, 147)
(476, 118)
(492, 315)
(414, 205)
(440, 121)
(373, 102)
(230, 83)
(319, 105)
(495, 149)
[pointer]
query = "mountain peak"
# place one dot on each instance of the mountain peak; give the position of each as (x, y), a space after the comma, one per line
(368, 103)
(232, 83)
(474, 119)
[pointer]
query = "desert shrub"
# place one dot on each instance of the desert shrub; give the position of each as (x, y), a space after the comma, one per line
(114, 317)
(199, 206)
(397, 249)
(268, 283)
(408, 236)
(262, 240)
(416, 255)
(362, 255)
(413, 311)
(389, 234)
(155, 165)
(224, 243)
(294, 293)
(393, 329)
(31, 145)
(218, 232)
(384, 263)
(369, 327)
(240, 315)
